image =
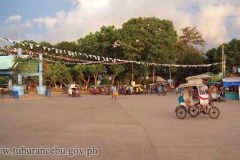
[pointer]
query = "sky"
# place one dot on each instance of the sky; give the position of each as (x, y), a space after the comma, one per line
(55, 21)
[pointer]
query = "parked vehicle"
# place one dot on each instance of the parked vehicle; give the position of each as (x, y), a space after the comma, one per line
(138, 89)
(74, 90)
(95, 89)
(105, 90)
(4, 88)
(122, 89)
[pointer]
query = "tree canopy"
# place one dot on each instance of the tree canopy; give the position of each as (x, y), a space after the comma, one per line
(140, 39)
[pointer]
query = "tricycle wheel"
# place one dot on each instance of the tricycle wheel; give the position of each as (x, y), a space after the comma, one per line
(214, 112)
(193, 111)
(181, 112)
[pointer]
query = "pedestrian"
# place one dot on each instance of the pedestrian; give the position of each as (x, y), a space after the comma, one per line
(70, 92)
(114, 92)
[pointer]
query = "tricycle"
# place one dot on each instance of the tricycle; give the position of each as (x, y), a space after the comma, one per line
(200, 104)
(74, 90)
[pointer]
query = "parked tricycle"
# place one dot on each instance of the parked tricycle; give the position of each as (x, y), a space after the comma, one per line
(74, 90)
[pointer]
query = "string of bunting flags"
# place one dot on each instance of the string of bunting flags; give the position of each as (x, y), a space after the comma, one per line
(67, 60)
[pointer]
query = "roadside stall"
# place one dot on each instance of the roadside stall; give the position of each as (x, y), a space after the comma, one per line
(231, 86)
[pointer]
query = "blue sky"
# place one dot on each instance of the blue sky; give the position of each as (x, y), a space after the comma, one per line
(55, 21)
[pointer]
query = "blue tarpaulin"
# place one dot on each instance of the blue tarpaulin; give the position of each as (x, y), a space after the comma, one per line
(229, 84)
(231, 81)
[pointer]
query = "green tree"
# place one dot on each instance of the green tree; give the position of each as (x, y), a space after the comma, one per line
(57, 73)
(95, 70)
(106, 39)
(3, 80)
(116, 69)
(89, 44)
(83, 72)
(188, 53)
(192, 38)
(148, 39)
(232, 53)
(105, 80)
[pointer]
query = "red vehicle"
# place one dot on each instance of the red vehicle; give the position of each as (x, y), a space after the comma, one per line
(95, 89)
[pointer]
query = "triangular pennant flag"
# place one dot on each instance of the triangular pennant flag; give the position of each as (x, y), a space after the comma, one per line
(5, 39)
(10, 40)
(31, 45)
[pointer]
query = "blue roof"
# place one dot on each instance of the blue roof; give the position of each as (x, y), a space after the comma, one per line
(6, 62)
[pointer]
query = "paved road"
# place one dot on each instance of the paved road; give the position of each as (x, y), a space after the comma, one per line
(136, 127)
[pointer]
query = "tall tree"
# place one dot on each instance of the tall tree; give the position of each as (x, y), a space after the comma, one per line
(84, 73)
(148, 39)
(192, 38)
(95, 70)
(232, 53)
(57, 73)
(106, 39)
(189, 53)
(116, 69)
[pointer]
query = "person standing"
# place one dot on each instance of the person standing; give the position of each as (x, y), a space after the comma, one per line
(176, 90)
(114, 92)
(70, 92)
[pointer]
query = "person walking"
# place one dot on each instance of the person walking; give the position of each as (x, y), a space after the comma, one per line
(114, 92)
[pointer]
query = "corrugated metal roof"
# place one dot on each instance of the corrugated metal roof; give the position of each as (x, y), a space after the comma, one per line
(6, 62)
(231, 79)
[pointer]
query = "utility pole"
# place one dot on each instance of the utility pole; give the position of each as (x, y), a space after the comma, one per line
(223, 61)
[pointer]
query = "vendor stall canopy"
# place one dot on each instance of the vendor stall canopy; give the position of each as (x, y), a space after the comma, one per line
(231, 81)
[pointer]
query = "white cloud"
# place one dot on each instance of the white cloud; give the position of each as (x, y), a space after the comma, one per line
(218, 21)
(90, 16)
(14, 18)
(13, 31)
(35, 37)
(48, 22)
(28, 24)
(237, 22)
(212, 22)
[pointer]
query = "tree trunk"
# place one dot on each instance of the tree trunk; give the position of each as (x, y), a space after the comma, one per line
(55, 84)
(88, 80)
(113, 78)
(64, 83)
(95, 78)
(82, 77)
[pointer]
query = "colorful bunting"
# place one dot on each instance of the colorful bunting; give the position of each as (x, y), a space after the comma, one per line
(105, 60)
